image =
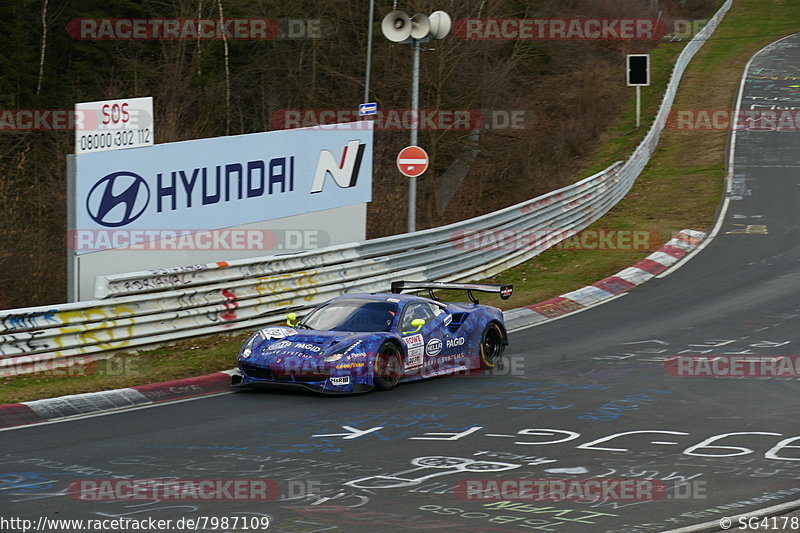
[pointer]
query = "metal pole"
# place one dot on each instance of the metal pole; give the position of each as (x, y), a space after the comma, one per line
(369, 50)
(638, 106)
(412, 182)
(73, 273)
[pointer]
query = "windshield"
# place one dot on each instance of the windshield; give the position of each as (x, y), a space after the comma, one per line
(352, 315)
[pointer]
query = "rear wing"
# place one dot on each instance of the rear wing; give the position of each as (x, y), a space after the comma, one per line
(503, 290)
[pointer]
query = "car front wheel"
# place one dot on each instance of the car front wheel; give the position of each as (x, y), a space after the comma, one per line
(388, 367)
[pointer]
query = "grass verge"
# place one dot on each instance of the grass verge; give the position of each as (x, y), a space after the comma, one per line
(680, 188)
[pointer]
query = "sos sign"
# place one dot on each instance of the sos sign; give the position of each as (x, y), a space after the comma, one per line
(116, 113)
(113, 125)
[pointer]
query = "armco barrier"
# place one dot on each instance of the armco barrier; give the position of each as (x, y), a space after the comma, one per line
(157, 306)
(62, 407)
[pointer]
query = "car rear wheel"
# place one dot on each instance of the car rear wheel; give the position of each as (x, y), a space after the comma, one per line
(388, 367)
(491, 346)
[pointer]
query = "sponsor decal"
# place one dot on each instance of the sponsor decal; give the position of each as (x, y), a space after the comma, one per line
(340, 380)
(352, 347)
(437, 311)
(448, 319)
(440, 362)
(279, 345)
(415, 357)
(414, 340)
(349, 365)
(276, 333)
(357, 355)
(393, 300)
(307, 346)
(120, 198)
(458, 341)
(296, 353)
(433, 347)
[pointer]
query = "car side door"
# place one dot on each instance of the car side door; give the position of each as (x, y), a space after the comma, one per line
(420, 342)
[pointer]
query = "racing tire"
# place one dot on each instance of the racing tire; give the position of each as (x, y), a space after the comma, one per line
(491, 346)
(388, 366)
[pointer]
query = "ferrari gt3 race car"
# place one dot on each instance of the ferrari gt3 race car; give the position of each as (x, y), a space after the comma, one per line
(359, 342)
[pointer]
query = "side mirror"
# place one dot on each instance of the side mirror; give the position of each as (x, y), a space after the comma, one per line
(416, 323)
(291, 320)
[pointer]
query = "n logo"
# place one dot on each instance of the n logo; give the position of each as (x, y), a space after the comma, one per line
(345, 174)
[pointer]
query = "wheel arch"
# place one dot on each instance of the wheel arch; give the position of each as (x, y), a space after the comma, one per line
(502, 329)
(393, 340)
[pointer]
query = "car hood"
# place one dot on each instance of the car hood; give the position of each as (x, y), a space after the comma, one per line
(272, 343)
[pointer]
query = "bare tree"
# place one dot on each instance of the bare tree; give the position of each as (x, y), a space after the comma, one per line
(227, 73)
(44, 46)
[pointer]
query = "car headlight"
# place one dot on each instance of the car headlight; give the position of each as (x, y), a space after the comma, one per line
(247, 349)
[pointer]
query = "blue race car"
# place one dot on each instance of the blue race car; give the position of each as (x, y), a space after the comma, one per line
(357, 342)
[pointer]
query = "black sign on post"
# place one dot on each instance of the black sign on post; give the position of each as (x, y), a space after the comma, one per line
(638, 70)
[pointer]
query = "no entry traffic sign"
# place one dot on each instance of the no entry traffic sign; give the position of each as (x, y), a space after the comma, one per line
(412, 161)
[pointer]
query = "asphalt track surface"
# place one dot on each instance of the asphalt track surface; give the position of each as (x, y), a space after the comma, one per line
(585, 397)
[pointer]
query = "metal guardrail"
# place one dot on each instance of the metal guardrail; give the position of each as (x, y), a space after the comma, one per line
(157, 306)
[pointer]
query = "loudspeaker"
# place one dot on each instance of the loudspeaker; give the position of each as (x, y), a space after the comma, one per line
(397, 26)
(420, 26)
(441, 24)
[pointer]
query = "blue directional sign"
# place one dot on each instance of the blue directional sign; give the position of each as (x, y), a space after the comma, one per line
(369, 108)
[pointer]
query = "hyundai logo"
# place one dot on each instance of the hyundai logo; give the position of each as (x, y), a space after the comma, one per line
(118, 199)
